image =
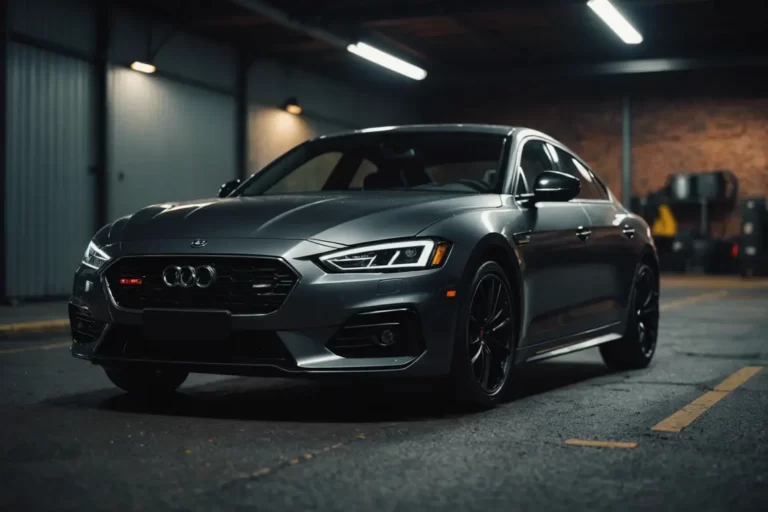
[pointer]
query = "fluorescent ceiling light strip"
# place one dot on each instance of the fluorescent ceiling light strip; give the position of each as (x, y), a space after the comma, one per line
(617, 22)
(386, 60)
(143, 67)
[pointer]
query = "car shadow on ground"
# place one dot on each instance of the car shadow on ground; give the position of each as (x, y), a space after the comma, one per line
(322, 401)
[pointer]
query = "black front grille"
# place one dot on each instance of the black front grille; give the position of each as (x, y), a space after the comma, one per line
(85, 329)
(243, 285)
(242, 347)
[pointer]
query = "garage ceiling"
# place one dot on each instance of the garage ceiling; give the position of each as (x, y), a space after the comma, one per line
(468, 41)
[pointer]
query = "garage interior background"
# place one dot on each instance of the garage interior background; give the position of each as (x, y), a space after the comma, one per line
(87, 139)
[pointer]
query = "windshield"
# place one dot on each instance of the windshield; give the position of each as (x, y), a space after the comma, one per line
(446, 162)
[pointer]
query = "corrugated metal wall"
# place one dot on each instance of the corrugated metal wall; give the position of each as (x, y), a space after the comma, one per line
(49, 189)
(168, 141)
(69, 23)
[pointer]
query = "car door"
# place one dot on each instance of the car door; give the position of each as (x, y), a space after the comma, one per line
(609, 248)
(554, 255)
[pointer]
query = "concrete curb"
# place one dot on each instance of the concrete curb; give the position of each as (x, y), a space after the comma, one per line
(56, 324)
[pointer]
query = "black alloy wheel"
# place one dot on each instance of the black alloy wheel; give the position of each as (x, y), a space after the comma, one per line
(637, 347)
(646, 305)
(486, 341)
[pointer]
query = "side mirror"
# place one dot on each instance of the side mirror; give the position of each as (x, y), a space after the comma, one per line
(229, 187)
(553, 186)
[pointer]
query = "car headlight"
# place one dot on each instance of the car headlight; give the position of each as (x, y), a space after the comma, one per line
(410, 255)
(94, 256)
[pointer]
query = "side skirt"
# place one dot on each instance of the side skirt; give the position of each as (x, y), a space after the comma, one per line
(563, 346)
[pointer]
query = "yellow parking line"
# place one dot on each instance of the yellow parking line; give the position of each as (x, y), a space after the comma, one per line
(687, 301)
(688, 414)
(37, 347)
(34, 326)
(601, 444)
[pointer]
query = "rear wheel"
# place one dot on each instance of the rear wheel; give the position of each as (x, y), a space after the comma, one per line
(146, 382)
(485, 340)
(636, 348)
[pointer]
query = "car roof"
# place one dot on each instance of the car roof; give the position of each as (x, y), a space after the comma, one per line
(491, 129)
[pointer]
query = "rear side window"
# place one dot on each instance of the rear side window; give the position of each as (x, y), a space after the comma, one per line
(590, 187)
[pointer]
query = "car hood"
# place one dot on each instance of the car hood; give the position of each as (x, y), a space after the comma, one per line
(340, 218)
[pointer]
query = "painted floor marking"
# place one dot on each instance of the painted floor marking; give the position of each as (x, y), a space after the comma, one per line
(687, 301)
(37, 347)
(34, 326)
(601, 444)
(688, 414)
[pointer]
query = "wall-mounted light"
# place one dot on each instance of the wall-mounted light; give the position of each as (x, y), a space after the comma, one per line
(618, 23)
(291, 106)
(143, 67)
(386, 60)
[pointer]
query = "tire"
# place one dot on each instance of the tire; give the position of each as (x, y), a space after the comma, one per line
(636, 349)
(147, 382)
(484, 347)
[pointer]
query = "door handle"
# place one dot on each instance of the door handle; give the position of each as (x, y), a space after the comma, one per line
(583, 233)
(628, 231)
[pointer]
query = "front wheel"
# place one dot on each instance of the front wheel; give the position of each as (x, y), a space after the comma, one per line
(146, 382)
(485, 339)
(636, 349)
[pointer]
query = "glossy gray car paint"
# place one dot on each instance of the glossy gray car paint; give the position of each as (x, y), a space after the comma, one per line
(572, 293)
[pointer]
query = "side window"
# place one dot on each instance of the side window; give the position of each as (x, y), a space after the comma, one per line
(534, 160)
(601, 187)
(590, 188)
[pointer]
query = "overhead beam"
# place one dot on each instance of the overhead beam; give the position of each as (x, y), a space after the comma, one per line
(291, 22)
(615, 68)
(385, 11)
(340, 37)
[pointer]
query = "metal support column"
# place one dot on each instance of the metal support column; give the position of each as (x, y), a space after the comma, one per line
(626, 157)
(4, 38)
(241, 114)
(101, 112)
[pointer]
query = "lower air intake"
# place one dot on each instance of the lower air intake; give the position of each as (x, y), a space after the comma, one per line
(85, 329)
(391, 333)
(242, 347)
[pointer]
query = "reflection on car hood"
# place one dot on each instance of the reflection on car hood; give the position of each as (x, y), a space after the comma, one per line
(342, 218)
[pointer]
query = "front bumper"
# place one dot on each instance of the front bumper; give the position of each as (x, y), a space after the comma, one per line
(301, 337)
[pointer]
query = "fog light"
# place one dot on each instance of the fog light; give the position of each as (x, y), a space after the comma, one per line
(386, 338)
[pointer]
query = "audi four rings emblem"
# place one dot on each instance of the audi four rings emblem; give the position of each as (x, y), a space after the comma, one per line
(188, 276)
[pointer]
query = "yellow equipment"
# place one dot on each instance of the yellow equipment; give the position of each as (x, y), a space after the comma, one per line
(665, 223)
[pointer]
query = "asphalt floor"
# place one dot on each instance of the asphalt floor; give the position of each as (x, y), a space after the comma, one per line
(69, 440)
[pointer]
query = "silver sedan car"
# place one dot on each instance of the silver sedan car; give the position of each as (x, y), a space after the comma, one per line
(452, 252)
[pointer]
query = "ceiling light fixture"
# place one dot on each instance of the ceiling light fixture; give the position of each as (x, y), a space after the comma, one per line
(143, 67)
(292, 106)
(618, 23)
(386, 60)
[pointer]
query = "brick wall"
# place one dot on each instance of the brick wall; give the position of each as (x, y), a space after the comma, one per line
(670, 135)
(702, 135)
